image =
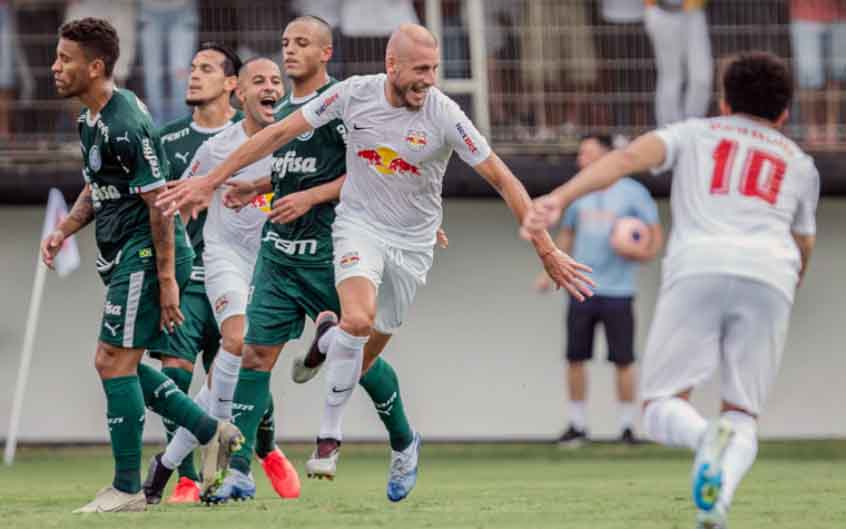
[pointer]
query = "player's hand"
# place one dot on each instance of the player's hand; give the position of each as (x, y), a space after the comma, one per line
(192, 194)
(543, 283)
(568, 274)
(171, 316)
(239, 193)
(51, 246)
(291, 207)
(544, 212)
(443, 240)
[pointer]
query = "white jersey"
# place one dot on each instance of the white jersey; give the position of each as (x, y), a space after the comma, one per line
(239, 230)
(739, 190)
(396, 158)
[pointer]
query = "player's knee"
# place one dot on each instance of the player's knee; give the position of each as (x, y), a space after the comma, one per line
(233, 344)
(257, 358)
(108, 362)
(357, 323)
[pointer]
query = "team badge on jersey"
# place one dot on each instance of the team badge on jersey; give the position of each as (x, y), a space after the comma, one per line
(415, 140)
(349, 259)
(95, 162)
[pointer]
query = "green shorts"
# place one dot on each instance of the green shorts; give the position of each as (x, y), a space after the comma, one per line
(198, 334)
(281, 296)
(131, 314)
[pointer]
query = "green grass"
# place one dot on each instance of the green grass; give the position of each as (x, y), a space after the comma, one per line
(793, 485)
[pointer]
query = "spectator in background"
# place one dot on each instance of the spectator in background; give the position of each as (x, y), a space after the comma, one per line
(585, 235)
(123, 15)
(818, 38)
(7, 67)
(168, 40)
(679, 33)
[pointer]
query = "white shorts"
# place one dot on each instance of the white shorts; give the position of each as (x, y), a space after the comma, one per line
(395, 272)
(228, 277)
(715, 321)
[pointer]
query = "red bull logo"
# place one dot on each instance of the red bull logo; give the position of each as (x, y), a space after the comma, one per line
(387, 162)
(263, 202)
(416, 140)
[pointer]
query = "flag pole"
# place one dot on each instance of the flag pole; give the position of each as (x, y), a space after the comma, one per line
(26, 360)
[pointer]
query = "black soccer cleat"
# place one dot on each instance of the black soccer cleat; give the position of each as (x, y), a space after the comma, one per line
(573, 438)
(628, 437)
(157, 478)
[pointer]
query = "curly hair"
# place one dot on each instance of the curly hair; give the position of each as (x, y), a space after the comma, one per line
(759, 84)
(98, 40)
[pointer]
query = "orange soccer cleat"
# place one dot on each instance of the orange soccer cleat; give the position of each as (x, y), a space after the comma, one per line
(282, 474)
(187, 491)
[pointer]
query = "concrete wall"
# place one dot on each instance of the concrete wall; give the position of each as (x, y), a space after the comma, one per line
(480, 357)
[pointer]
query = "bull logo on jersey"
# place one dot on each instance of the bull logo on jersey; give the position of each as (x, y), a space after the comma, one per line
(263, 202)
(416, 140)
(387, 161)
(95, 162)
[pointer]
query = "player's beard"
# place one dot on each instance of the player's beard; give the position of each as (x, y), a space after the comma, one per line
(403, 92)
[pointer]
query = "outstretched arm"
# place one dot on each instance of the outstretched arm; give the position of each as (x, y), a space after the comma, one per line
(644, 153)
(563, 270)
(197, 192)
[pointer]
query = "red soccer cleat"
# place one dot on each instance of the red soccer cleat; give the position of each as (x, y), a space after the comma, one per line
(282, 474)
(187, 491)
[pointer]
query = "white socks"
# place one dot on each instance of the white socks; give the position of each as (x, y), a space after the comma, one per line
(344, 355)
(628, 411)
(674, 422)
(739, 455)
(326, 339)
(184, 442)
(224, 377)
(578, 414)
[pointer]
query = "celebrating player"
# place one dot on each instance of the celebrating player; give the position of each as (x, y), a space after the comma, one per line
(744, 199)
(401, 132)
(232, 241)
(144, 258)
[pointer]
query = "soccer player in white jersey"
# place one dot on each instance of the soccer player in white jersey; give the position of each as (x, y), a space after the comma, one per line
(743, 201)
(401, 133)
(232, 239)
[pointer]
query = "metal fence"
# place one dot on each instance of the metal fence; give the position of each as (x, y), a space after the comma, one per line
(536, 74)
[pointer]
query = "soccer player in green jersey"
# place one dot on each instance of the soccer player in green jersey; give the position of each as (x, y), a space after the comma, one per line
(294, 275)
(144, 258)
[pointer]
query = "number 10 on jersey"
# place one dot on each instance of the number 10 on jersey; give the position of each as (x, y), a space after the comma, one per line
(750, 178)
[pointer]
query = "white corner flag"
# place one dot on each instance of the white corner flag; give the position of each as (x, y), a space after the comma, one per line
(66, 261)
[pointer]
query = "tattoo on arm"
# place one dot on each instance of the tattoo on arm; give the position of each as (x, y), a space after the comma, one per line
(81, 214)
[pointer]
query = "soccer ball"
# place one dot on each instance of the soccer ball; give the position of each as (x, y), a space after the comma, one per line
(630, 235)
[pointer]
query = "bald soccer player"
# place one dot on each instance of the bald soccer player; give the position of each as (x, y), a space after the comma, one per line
(401, 132)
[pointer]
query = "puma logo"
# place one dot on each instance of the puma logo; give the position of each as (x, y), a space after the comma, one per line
(125, 137)
(112, 329)
(182, 156)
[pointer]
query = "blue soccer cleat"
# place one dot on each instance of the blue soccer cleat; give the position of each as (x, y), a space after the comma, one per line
(403, 473)
(707, 478)
(236, 486)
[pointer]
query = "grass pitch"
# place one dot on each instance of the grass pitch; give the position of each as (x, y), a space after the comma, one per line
(793, 485)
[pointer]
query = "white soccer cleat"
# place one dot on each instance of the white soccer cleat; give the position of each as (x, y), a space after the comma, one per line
(714, 519)
(110, 499)
(403, 473)
(707, 475)
(215, 457)
(326, 466)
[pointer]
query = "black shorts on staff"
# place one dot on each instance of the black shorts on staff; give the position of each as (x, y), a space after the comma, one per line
(617, 318)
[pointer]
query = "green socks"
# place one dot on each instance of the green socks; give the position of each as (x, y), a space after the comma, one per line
(380, 382)
(252, 395)
(182, 379)
(163, 397)
(125, 417)
(266, 435)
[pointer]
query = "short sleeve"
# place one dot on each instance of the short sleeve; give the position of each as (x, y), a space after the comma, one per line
(200, 164)
(327, 106)
(673, 137)
(140, 152)
(644, 206)
(462, 135)
(571, 216)
(805, 221)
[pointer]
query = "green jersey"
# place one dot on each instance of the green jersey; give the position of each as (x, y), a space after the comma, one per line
(181, 139)
(312, 159)
(122, 158)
